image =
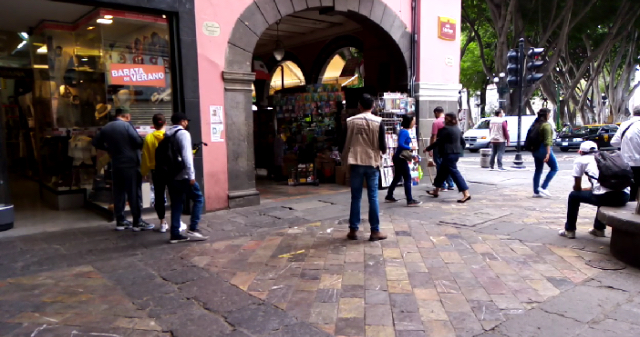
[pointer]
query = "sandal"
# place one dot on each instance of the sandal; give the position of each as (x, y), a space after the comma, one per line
(462, 201)
(432, 193)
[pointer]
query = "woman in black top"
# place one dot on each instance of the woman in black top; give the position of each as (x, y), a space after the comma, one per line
(450, 145)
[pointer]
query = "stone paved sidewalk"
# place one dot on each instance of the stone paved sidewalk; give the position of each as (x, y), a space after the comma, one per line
(492, 267)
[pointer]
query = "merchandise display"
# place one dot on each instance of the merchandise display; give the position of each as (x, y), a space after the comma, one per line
(391, 107)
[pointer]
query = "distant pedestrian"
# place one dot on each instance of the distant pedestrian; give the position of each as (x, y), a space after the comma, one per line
(184, 184)
(541, 141)
(450, 144)
(596, 195)
(627, 138)
(401, 165)
(365, 141)
(438, 124)
(120, 139)
(148, 165)
(499, 138)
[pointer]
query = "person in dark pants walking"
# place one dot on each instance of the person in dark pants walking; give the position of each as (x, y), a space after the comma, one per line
(123, 144)
(627, 138)
(499, 139)
(438, 124)
(543, 153)
(597, 195)
(450, 145)
(184, 185)
(401, 166)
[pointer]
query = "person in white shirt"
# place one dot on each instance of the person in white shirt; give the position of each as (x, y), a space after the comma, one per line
(628, 140)
(597, 195)
(499, 138)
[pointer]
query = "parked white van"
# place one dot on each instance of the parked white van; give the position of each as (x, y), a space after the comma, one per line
(478, 137)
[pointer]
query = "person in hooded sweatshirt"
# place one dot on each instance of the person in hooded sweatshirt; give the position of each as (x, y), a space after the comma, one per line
(148, 165)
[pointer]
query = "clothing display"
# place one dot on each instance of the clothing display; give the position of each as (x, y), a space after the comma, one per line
(81, 150)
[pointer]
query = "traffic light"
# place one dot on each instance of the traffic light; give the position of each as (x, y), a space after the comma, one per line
(514, 68)
(534, 63)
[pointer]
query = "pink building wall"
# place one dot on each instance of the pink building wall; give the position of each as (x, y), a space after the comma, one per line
(211, 58)
(432, 51)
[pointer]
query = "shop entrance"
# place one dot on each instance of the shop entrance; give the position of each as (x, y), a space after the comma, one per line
(311, 66)
(64, 71)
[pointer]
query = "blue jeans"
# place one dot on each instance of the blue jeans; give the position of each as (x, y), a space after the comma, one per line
(448, 183)
(449, 169)
(358, 175)
(402, 171)
(178, 189)
(610, 199)
(538, 157)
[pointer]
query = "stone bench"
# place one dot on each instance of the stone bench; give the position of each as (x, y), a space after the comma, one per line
(625, 233)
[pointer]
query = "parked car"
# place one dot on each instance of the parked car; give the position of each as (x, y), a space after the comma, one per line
(479, 137)
(601, 134)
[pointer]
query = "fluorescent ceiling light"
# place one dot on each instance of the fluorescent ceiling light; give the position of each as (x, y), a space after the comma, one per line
(108, 17)
(24, 35)
(41, 66)
(42, 50)
(104, 21)
(21, 44)
(91, 27)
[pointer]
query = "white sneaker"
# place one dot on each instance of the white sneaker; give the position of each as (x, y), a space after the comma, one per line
(545, 193)
(163, 227)
(567, 234)
(196, 236)
(597, 233)
(537, 195)
(183, 226)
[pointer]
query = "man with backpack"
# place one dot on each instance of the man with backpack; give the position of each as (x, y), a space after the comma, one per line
(627, 138)
(174, 160)
(610, 179)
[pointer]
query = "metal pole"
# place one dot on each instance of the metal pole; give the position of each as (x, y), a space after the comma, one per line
(518, 163)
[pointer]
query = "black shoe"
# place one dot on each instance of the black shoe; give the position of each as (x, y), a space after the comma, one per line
(179, 238)
(414, 203)
(390, 199)
(124, 225)
(143, 226)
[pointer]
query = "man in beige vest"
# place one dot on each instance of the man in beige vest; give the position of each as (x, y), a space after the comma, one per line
(365, 141)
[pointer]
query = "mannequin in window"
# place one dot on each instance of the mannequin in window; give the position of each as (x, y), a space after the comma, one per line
(122, 99)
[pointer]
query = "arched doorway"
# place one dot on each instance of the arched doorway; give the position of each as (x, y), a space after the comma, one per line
(256, 21)
(344, 68)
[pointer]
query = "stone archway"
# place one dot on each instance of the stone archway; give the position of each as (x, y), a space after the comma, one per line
(237, 75)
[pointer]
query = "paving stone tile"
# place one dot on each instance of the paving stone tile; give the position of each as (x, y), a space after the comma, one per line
(426, 294)
(328, 295)
(378, 314)
(350, 327)
(242, 280)
(397, 274)
(455, 303)
(376, 297)
(410, 334)
(353, 278)
(486, 311)
(407, 321)
(379, 331)
(324, 313)
(447, 287)
(399, 287)
(432, 311)
(392, 254)
(416, 267)
(420, 280)
(403, 303)
(440, 328)
(351, 307)
(539, 323)
(592, 301)
(465, 323)
(544, 288)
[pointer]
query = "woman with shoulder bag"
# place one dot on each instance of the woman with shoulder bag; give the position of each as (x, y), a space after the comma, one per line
(401, 163)
(450, 144)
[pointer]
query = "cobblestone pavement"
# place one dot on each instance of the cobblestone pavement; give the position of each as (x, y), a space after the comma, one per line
(492, 267)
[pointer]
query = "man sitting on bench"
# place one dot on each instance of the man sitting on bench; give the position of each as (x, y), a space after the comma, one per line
(597, 195)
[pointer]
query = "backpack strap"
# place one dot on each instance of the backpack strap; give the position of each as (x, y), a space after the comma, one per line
(627, 129)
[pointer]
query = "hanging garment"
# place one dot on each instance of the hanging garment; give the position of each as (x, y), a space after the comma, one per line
(81, 150)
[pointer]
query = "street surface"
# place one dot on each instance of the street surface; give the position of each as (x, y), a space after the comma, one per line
(493, 267)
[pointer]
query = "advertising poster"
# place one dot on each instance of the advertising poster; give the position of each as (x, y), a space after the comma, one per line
(217, 123)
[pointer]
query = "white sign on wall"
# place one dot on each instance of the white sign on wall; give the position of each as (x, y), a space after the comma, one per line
(217, 123)
(211, 28)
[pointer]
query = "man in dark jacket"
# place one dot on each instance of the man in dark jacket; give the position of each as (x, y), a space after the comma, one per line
(122, 142)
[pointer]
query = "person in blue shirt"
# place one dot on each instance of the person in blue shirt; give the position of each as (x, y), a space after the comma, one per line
(402, 169)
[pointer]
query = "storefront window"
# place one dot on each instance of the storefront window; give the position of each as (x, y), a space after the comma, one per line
(83, 73)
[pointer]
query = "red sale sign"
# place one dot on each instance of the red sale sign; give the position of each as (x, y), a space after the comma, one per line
(137, 74)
